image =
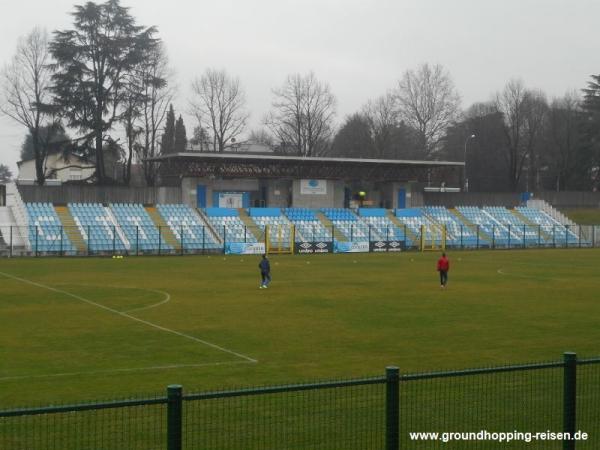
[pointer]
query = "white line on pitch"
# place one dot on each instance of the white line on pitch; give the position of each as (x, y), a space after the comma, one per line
(131, 369)
(167, 298)
(518, 275)
(123, 314)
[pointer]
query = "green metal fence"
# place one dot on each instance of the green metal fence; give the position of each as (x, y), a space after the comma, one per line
(367, 413)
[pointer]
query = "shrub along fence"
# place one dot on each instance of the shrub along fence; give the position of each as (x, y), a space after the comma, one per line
(382, 412)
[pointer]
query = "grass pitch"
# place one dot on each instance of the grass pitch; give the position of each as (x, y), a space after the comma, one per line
(81, 329)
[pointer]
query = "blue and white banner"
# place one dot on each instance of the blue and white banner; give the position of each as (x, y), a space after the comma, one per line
(244, 248)
(351, 247)
(313, 187)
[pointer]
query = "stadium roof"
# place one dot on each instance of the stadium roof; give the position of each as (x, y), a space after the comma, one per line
(236, 165)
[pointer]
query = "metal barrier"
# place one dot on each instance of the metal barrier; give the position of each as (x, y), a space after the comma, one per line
(164, 240)
(383, 412)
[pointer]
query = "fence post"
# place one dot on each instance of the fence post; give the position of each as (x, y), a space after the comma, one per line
(182, 241)
(392, 408)
(10, 250)
(174, 420)
(477, 237)
(569, 398)
(159, 241)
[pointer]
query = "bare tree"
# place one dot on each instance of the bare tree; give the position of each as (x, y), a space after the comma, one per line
(428, 101)
(220, 101)
(25, 93)
(564, 139)
(511, 103)
(536, 115)
(382, 116)
(302, 115)
(157, 94)
(261, 136)
(524, 113)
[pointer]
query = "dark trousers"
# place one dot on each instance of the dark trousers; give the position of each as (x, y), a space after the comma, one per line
(266, 278)
(443, 277)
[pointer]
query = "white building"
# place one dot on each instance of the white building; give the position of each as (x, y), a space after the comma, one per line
(57, 167)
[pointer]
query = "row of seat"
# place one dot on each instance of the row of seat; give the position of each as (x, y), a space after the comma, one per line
(129, 226)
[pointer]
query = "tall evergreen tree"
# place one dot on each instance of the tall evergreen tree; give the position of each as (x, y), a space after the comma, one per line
(94, 62)
(180, 136)
(591, 131)
(168, 137)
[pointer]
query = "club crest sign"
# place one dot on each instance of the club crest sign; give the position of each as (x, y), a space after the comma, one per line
(313, 187)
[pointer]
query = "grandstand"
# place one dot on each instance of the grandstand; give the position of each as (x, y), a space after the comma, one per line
(416, 223)
(555, 232)
(529, 234)
(46, 232)
(138, 228)
(132, 228)
(350, 225)
(457, 234)
(188, 227)
(275, 226)
(228, 225)
(98, 227)
(308, 226)
(377, 219)
(493, 231)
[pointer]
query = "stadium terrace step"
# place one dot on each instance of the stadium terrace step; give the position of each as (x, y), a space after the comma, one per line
(546, 236)
(165, 229)
(473, 227)
(409, 234)
(337, 234)
(207, 223)
(251, 225)
(71, 229)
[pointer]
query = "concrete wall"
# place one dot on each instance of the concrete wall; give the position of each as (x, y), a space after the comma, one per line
(333, 198)
(279, 193)
(99, 194)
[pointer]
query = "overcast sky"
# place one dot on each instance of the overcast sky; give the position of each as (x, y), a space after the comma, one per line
(360, 47)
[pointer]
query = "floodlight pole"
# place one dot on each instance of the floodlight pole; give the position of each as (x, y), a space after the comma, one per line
(466, 186)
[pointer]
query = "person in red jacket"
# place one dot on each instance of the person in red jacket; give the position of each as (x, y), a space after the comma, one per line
(443, 266)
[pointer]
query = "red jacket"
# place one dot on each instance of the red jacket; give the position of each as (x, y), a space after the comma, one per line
(443, 264)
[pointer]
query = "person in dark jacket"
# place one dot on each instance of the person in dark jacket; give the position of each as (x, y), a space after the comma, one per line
(443, 266)
(265, 272)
